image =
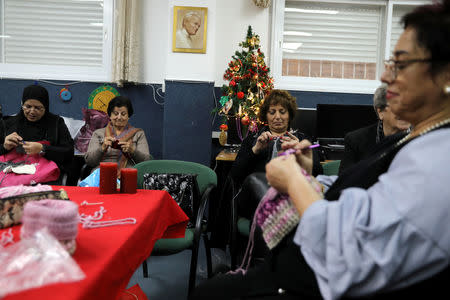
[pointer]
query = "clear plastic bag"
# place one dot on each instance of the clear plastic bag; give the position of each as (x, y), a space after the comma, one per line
(35, 262)
(94, 180)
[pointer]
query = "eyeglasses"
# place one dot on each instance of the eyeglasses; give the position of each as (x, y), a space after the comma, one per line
(395, 65)
(30, 107)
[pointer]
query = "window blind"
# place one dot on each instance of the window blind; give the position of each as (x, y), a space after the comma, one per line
(58, 32)
(398, 12)
(331, 31)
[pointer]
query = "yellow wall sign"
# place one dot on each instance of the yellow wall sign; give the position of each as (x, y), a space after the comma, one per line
(101, 96)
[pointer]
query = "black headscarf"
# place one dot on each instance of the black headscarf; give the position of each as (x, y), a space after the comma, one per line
(36, 92)
(35, 131)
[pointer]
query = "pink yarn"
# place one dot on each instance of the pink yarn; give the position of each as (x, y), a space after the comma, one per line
(59, 216)
(15, 190)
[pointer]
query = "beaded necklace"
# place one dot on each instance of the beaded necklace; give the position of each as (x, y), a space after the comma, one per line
(425, 131)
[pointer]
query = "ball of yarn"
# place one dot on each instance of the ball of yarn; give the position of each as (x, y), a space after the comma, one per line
(60, 217)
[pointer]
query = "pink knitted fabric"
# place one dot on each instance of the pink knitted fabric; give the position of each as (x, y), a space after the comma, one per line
(276, 216)
(59, 216)
(15, 190)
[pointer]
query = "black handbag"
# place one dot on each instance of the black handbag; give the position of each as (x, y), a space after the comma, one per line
(182, 187)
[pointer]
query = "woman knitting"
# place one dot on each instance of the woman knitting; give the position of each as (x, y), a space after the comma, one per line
(118, 141)
(381, 229)
(36, 131)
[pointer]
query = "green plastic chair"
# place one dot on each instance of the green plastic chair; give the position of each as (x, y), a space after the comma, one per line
(331, 167)
(207, 181)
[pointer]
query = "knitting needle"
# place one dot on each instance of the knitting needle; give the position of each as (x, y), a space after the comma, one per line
(292, 151)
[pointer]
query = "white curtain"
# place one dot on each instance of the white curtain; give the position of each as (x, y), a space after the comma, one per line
(126, 43)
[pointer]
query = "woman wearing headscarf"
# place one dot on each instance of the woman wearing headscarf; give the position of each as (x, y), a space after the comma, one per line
(118, 141)
(34, 130)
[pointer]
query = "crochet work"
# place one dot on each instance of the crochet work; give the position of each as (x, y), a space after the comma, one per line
(276, 217)
(60, 217)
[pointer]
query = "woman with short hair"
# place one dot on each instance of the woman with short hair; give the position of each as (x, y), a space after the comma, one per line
(118, 141)
(381, 229)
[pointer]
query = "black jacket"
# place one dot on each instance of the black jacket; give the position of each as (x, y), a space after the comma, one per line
(358, 145)
(50, 128)
(247, 162)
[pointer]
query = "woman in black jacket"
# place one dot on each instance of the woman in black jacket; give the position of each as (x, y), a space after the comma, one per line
(34, 130)
(277, 111)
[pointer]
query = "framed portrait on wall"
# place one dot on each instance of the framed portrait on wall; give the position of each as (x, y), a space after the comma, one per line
(189, 29)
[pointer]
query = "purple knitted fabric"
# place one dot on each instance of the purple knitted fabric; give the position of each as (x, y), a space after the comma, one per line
(60, 217)
(276, 216)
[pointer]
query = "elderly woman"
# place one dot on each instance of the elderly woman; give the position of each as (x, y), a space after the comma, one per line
(34, 130)
(118, 141)
(277, 111)
(381, 230)
(360, 143)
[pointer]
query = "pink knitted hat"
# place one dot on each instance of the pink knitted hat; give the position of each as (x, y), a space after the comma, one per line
(59, 216)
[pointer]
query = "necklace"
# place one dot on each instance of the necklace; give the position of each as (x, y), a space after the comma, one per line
(426, 130)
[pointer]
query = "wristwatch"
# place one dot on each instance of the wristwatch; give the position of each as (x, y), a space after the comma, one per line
(44, 148)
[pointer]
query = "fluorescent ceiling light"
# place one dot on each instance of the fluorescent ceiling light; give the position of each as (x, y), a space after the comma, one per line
(299, 33)
(292, 46)
(312, 11)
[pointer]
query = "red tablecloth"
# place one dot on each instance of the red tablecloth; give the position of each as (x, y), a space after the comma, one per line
(110, 255)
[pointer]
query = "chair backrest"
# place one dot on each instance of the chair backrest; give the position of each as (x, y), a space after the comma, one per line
(331, 167)
(205, 176)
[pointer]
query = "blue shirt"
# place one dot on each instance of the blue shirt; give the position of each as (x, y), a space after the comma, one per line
(389, 236)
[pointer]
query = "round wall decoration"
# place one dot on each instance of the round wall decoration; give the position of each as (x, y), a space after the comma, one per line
(100, 97)
(65, 94)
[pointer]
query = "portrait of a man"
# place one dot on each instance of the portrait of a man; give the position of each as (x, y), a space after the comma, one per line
(189, 29)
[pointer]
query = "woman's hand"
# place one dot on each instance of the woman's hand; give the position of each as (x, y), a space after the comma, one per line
(12, 141)
(107, 142)
(281, 171)
(303, 154)
(289, 137)
(32, 147)
(285, 175)
(127, 147)
(262, 142)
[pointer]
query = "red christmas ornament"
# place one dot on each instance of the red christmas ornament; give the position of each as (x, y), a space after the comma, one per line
(245, 120)
(240, 95)
(232, 83)
(223, 127)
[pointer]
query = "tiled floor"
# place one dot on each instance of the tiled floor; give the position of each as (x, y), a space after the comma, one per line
(169, 275)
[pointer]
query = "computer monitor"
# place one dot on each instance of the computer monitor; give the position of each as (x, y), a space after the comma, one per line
(305, 121)
(334, 121)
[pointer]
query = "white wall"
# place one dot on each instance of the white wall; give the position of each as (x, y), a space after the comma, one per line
(227, 26)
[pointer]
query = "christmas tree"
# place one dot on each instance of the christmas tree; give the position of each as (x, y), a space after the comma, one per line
(249, 83)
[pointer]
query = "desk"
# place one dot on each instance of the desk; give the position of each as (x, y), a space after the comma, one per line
(220, 210)
(225, 155)
(110, 255)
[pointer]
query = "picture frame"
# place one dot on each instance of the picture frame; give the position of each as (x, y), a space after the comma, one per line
(189, 29)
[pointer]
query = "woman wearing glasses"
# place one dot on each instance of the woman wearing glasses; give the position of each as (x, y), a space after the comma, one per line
(381, 230)
(34, 130)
